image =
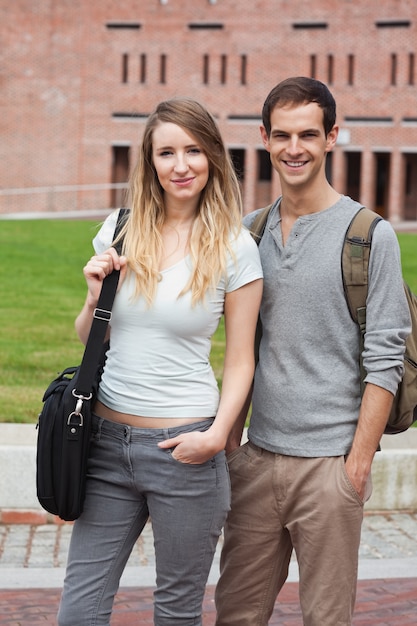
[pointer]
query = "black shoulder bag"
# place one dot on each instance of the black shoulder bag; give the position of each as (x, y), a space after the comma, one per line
(64, 424)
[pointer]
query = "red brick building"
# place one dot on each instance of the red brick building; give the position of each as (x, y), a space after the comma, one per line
(78, 79)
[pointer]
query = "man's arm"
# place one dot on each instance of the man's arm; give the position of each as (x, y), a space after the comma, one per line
(373, 416)
(387, 326)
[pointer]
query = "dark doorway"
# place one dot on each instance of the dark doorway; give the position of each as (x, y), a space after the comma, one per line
(263, 188)
(410, 184)
(238, 159)
(382, 166)
(119, 175)
(353, 174)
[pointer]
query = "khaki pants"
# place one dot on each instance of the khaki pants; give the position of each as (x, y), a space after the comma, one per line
(280, 503)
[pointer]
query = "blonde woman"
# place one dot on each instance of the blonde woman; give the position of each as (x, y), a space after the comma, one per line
(160, 425)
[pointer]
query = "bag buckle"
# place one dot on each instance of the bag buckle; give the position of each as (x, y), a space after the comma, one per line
(102, 314)
(77, 411)
(80, 422)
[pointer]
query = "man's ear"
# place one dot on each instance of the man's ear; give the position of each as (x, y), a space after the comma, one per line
(332, 138)
(265, 137)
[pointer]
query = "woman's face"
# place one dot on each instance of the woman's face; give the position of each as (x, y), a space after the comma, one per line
(180, 163)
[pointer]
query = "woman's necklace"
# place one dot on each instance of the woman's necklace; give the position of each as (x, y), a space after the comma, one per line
(175, 243)
(171, 242)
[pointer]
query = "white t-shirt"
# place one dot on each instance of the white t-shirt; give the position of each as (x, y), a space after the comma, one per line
(158, 363)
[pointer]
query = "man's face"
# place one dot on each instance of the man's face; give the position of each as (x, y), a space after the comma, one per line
(298, 144)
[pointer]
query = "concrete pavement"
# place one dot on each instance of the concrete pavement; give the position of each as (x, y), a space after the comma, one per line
(34, 556)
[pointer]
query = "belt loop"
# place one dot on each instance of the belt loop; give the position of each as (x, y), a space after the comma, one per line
(126, 433)
(96, 425)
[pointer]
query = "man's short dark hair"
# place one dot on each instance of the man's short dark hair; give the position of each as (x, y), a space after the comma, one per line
(297, 91)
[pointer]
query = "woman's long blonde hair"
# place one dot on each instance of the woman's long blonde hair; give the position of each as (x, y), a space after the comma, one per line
(218, 216)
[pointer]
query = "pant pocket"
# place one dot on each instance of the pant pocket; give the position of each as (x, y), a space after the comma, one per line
(350, 489)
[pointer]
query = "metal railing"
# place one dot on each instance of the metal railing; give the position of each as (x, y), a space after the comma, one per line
(62, 198)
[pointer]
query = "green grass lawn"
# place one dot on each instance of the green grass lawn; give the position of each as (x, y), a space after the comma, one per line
(42, 289)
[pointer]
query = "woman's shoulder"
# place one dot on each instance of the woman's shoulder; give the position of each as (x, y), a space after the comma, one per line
(244, 247)
(104, 237)
(243, 238)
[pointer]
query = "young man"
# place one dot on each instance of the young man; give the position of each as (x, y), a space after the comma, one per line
(302, 479)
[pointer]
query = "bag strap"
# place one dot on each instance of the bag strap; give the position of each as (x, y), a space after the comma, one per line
(101, 318)
(257, 228)
(355, 262)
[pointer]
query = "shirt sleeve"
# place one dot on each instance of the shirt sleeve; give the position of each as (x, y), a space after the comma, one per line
(246, 266)
(104, 238)
(388, 321)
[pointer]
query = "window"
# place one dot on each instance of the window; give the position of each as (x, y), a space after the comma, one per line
(351, 69)
(125, 116)
(142, 68)
(411, 68)
(125, 68)
(243, 69)
(363, 119)
(123, 25)
(313, 65)
(245, 118)
(330, 69)
(205, 26)
(223, 69)
(310, 25)
(393, 24)
(393, 69)
(206, 69)
(162, 68)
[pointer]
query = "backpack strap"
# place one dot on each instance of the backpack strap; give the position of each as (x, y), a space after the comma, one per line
(257, 228)
(355, 262)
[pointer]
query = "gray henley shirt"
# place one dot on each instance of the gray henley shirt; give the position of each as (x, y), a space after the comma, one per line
(306, 395)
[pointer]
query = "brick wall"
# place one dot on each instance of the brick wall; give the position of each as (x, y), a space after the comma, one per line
(78, 79)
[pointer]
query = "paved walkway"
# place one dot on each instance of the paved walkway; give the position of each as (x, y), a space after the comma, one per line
(379, 603)
(32, 562)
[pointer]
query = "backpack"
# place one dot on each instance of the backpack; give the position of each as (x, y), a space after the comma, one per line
(355, 261)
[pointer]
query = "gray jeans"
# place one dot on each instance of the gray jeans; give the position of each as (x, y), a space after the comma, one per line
(129, 480)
